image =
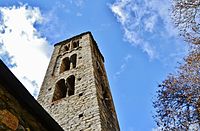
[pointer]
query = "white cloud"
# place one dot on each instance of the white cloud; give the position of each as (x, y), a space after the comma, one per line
(157, 129)
(21, 40)
(150, 50)
(162, 9)
(150, 22)
(144, 20)
(117, 8)
(123, 65)
(79, 3)
(133, 38)
(132, 16)
(126, 58)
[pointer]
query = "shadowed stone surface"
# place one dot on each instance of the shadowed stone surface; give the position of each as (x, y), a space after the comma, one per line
(18, 109)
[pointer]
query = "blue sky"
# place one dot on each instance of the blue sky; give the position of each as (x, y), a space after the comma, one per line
(136, 37)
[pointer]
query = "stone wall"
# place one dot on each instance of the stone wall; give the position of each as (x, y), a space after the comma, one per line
(108, 115)
(84, 110)
(13, 115)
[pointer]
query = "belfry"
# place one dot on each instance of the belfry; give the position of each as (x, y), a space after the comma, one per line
(75, 90)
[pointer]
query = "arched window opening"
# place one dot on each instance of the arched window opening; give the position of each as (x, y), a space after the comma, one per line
(60, 90)
(66, 47)
(73, 60)
(70, 85)
(65, 65)
(75, 44)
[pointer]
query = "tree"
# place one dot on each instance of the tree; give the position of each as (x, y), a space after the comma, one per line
(177, 102)
(186, 16)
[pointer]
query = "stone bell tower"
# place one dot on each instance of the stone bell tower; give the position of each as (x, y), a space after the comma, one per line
(75, 90)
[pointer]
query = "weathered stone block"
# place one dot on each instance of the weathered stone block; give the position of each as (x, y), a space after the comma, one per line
(9, 119)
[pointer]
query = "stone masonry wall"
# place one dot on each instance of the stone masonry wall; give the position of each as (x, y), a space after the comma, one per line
(13, 116)
(109, 121)
(80, 111)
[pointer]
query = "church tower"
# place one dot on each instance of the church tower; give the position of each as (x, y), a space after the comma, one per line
(75, 90)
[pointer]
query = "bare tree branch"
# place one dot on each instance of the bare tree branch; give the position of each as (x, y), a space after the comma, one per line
(178, 98)
(186, 17)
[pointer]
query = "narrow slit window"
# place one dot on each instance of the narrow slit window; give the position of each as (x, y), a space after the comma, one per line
(106, 98)
(60, 90)
(71, 85)
(73, 59)
(65, 65)
(80, 115)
